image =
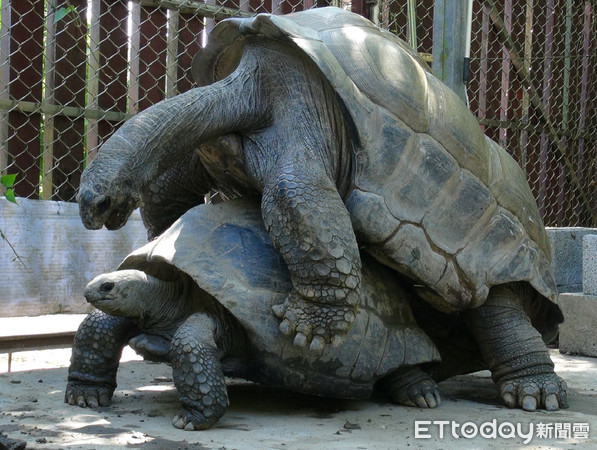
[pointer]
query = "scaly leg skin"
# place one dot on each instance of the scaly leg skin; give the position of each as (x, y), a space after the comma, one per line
(411, 386)
(198, 374)
(514, 351)
(311, 228)
(96, 353)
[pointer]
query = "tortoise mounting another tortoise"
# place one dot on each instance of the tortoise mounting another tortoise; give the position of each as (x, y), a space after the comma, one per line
(357, 144)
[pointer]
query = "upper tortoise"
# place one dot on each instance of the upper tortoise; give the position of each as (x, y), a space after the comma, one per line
(348, 138)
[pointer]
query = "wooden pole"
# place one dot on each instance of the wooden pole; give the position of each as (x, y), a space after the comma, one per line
(449, 42)
(5, 22)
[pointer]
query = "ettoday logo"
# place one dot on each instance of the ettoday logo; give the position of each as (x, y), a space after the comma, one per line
(503, 430)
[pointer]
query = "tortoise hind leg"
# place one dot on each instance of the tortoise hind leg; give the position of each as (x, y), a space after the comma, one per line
(198, 374)
(411, 386)
(515, 352)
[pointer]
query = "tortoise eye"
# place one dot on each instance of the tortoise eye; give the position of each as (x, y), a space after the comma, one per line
(107, 287)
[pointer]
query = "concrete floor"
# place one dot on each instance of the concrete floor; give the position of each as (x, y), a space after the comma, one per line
(32, 410)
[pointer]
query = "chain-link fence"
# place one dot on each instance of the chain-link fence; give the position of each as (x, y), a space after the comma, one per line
(71, 71)
(533, 89)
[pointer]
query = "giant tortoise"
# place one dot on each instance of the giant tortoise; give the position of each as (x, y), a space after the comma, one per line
(351, 142)
(200, 297)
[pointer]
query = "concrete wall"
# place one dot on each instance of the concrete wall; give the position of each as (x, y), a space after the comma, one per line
(59, 256)
(574, 252)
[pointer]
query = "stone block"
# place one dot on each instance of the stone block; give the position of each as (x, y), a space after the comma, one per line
(577, 333)
(567, 260)
(589, 264)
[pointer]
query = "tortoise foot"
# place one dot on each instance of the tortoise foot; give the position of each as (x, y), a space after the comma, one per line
(411, 386)
(191, 420)
(531, 392)
(87, 394)
(313, 324)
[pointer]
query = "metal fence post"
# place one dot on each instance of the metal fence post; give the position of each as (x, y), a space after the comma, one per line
(449, 40)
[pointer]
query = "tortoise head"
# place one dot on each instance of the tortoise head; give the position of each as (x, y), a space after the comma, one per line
(105, 203)
(121, 293)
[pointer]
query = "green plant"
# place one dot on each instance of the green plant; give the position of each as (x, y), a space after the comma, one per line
(8, 182)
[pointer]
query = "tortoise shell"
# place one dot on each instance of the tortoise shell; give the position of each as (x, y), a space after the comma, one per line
(226, 250)
(432, 196)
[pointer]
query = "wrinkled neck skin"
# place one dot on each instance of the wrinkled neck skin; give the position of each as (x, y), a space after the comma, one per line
(169, 306)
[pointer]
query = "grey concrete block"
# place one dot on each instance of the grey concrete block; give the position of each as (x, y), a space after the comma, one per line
(577, 333)
(566, 252)
(589, 264)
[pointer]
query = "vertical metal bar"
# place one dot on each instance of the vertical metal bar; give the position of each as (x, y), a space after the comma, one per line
(546, 100)
(93, 75)
(277, 6)
(584, 89)
(505, 85)
(483, 69)
(526, 101)
(172, 53)
(209, 23)
(412, 23)
(50, 71)
(5, 25)
(135, 44)
(561, 197)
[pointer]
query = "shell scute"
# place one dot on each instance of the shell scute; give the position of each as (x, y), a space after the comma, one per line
(458, 131)
(460, 210)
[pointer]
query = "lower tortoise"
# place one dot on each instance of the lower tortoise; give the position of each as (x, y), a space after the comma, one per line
(200, 297)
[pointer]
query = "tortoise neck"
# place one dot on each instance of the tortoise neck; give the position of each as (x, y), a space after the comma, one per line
(151, 141)
(165, 304)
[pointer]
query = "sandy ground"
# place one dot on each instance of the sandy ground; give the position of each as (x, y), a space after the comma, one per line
(32, 410)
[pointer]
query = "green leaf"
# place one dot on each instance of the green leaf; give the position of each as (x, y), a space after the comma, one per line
(10, 196)
(8, 180)
(62, 12)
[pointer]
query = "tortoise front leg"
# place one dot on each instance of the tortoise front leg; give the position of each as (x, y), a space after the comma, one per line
(514, 351)
(198, 374)
(97, 348)
(311, 228)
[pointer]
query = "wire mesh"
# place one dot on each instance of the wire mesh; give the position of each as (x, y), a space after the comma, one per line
(71, 71)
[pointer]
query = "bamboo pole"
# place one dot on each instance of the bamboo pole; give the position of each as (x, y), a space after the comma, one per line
(528, 50)
(546, 100)
(5, 21)
(483, 69)
(565, 106)
(93, 69)
(47, 183)
(172, 54)
(207, 9)
(506, 68)
(133, 91)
